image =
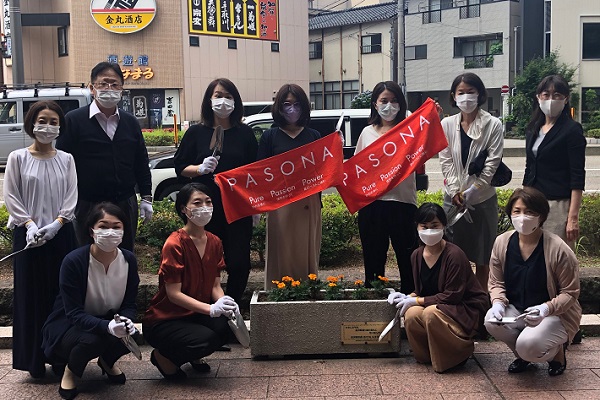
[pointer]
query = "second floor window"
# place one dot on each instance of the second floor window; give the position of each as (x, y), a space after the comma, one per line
(371, 44)
(315, 50)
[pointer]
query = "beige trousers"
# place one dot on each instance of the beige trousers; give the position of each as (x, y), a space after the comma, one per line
(557, 219)
(436, 338)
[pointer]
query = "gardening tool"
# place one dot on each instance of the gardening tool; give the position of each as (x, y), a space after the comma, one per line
(457, 213)
(216, 141)
(238, 326)
(17, 252)
(390, 325)
(129, 342)
(512, 320)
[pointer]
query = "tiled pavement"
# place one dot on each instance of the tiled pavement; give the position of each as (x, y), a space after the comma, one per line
(235, 375)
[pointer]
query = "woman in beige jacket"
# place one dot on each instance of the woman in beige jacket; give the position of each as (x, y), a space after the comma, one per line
(533, 272)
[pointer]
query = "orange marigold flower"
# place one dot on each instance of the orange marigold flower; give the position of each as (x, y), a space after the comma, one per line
(332, 279)
(312, 277)
(275, 282)
(358, 282)
(340, 276)
(331, 284)
(281, 285)
(287, 279)
(295, 283)
(383, 278)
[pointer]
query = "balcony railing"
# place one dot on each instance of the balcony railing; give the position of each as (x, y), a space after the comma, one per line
(483, 61)
(469, 11)
(432, 16)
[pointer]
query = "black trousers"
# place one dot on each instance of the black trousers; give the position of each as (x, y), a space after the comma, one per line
(380, 222)
(129, 207)
(77, 348)
(236, 247)
(187, 339)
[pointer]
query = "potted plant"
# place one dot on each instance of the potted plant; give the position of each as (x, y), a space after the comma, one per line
(322, 317)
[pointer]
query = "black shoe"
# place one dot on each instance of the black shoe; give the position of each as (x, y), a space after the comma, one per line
(117, 379)
(519, 365)
(578, 337)
(172, 377)
(555, 368)
(201, 366)
(67, 394)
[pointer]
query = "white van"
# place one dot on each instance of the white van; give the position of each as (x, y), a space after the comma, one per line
(15, 102)
(165, 182)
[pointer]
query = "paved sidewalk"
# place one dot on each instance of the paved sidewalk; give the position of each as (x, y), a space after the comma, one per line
(235, 375)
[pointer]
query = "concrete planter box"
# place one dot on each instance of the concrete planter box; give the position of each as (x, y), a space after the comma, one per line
(321, 327)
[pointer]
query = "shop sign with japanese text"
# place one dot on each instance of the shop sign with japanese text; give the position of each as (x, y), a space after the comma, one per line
(123, 16)
(249, 19)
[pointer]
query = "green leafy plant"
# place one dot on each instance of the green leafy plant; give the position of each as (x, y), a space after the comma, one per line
(380, 285)
(360, 291)
(362, 100)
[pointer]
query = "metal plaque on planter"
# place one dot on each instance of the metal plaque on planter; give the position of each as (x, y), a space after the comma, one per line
(364, 333)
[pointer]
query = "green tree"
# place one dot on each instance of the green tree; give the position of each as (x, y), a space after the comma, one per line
(592, 106)
(526, 82)
(362, 100)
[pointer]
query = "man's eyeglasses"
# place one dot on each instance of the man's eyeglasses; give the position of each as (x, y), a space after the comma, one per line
(106, 85)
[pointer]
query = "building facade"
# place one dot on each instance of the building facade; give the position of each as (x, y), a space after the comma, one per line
(258, 44)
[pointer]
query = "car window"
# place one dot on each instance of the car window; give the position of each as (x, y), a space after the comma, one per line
(259, 127)
(325, 125)
(66, 105)
(256, 109)
(8, 112)
(356, 127)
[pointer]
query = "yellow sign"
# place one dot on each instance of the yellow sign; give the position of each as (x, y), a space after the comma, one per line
(364, 333)
(137, 73)
(123, 16)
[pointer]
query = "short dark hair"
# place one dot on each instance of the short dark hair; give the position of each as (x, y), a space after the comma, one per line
(538, 118)
(184, 196)
(35, 109)
(100, 210)
(428, 212)
(207, 113)
(533, 200)
(103, 66)
(375, 118)
(472, 80)
(301, 98)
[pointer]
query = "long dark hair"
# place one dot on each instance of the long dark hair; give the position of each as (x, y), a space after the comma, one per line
(538, 118)
(301, 98)
(208, 115)
(375, 118)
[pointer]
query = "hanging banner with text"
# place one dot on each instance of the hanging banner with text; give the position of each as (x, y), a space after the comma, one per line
(390, 159)
(276, 181)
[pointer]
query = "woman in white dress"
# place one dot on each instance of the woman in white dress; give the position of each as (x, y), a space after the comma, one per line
(40, 192)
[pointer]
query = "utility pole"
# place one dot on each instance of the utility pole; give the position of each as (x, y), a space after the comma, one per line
(401, 40)
(16, 42)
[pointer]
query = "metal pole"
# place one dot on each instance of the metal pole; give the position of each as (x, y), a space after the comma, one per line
(516, 50)
(401, 69)
(16, 42)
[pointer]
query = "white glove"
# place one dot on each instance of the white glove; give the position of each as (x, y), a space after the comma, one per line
(396, 297)
(146, 210)
(128, 325)
(498, 310)
(406, 303)
(534, 320)
(223, 306)
(32, 229)
(469, 194)
(208, 165)
(49, 231)
(117, 329)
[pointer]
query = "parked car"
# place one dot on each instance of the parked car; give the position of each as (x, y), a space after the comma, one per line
(15, 102)
(257, 107)
(165, 183)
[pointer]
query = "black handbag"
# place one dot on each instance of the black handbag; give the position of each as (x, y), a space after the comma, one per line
(502, 176)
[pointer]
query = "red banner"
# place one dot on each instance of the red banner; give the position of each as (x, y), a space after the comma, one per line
(394, 156)
(274, 182)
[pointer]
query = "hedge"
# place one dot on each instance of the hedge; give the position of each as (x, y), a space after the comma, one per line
(593, 133)
(161, 137)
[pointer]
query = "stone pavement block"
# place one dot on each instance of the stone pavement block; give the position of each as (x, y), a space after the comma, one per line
(495, 362)
(324, 385)
(538, 380)
(545, 395)
(275, 368)
(18, 391)
(99, 390)
(492, 347)
(403, 396)
(582, 359)
(383, 365)
(471, 396)
(590, 324)
(230, 388)
(581, 394)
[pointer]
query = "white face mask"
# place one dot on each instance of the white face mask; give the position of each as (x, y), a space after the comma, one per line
(388, 111)
(45, 133)
(200, 216)
(552, 108)
(108, 98)
(525, 224)
(222, 107)
(431, 237)
(108, 239)
(466, 102)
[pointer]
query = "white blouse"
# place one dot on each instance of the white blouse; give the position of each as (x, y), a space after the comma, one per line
(538, 140)
(106, 289)
(39, 189)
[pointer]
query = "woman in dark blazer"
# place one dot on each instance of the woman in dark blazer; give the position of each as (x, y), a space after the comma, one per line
(555, 163)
